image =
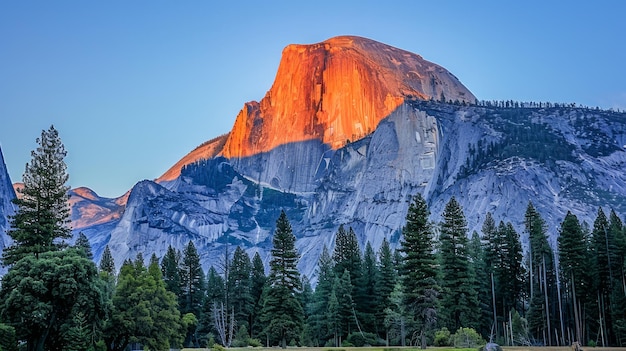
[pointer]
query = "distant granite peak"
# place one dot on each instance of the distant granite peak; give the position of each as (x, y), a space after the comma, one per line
(333, 92)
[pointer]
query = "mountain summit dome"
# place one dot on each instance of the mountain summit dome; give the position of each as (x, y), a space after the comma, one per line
(332, 92)
(335, 91)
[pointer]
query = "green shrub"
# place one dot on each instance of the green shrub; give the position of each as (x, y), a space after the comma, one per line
(365, 339)
(218, 347)
(254, 342)
(592, 343)
(330, 343)
(346, 343)
(442, 337)
(467, 338)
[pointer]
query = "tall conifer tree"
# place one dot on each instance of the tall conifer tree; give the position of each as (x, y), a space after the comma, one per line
(574, 265)
(483, 286)
(107, 264)
(82, 243)
(385, 284)
(542, 279)
(170, 269)
(319, 307)
(366, 289)
(282, 313)
(347, 254)
(419, 267)
(239, 284)
(257, 283)
(460, 301)
(192, 281)
(42, 219)
(606, 262)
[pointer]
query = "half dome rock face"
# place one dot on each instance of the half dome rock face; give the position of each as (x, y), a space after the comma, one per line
(335, 91)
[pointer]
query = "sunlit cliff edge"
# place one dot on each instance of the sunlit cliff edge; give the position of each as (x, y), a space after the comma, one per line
(334, 91)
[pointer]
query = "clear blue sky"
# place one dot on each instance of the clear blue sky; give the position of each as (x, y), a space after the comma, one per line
(132, 86)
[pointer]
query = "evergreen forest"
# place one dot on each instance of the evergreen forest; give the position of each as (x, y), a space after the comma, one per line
(442, 286)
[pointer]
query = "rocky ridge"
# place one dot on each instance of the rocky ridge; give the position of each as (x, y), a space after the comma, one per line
(365, 138)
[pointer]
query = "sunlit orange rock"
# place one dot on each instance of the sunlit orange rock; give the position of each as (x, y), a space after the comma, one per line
(88, 208)
(333, 91)
(207, 150)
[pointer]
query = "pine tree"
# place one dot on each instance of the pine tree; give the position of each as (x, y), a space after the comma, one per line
(257, 283)
(143, 310)
(347, 257)
(170, 269)
(343, 288)
(366, 290)
(214, 295)
(618, 232)
(491, 247)
(319, 307)
(419, 267)
(460, 302)
(43, 215)
(385, 284)
(239, 285)
(507, 270)
(282, 313)
(606, 269)
(573, 266)
(347, 254)
(483, 286)
(306, 298)
(215, 286)
(106, 262)
(82, 243)
(333, 318)
(192, 281)
(489, 240)
(515, 269)
(542, 279)
(78, 334)
(154, 260)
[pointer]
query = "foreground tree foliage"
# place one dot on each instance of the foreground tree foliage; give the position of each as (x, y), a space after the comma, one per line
(52, 295)
(143, 310)
(41, 297)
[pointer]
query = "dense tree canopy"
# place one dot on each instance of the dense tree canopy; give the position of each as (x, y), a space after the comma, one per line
(143, 310)
(41, 296)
